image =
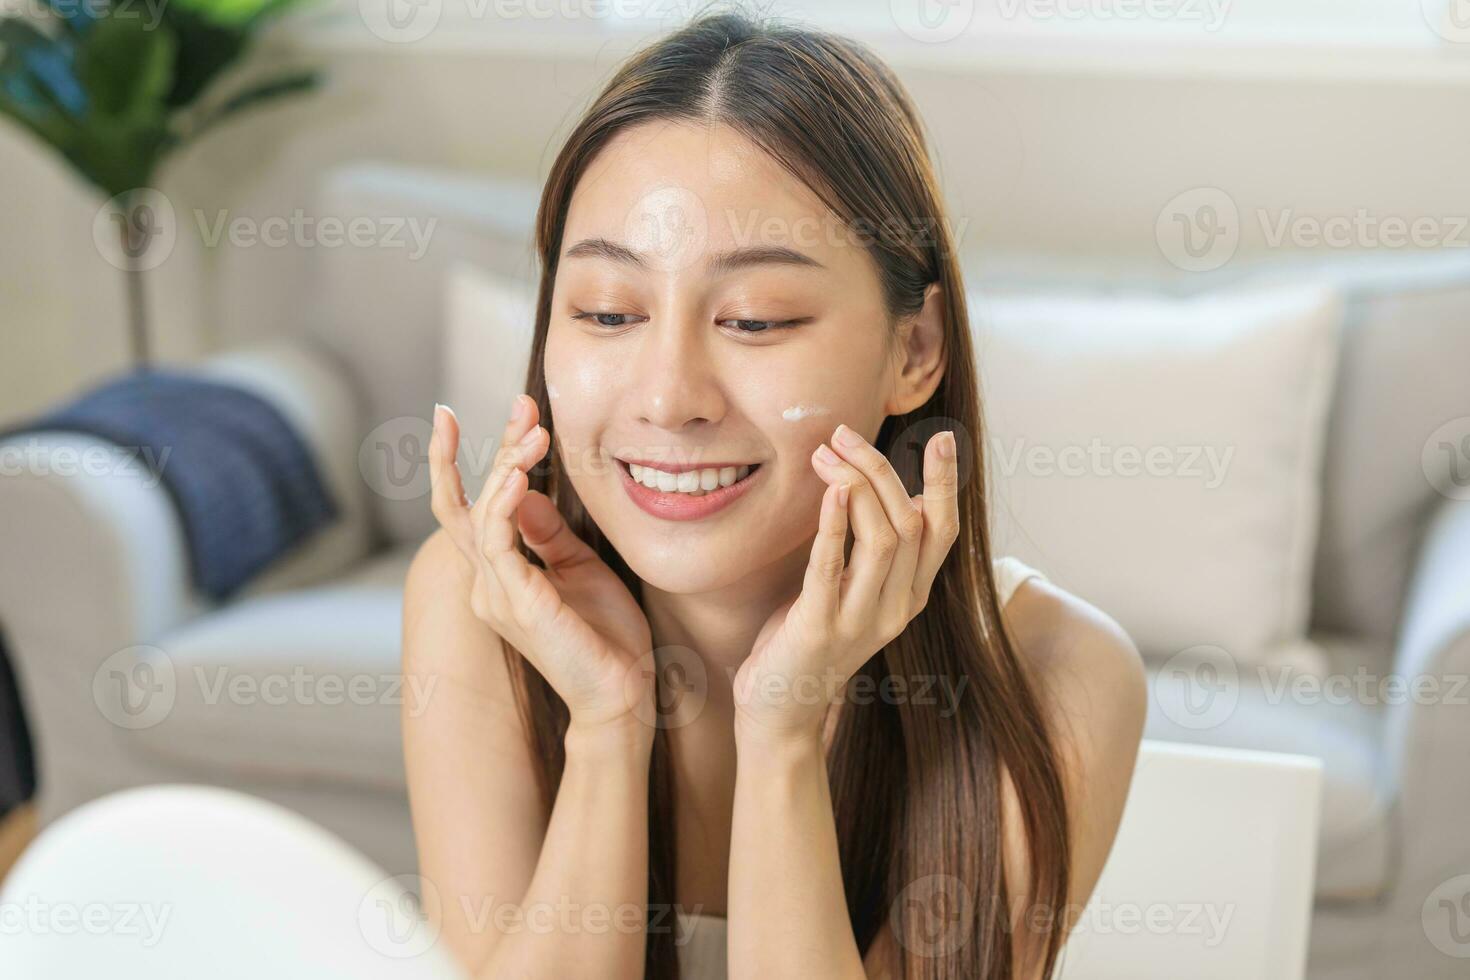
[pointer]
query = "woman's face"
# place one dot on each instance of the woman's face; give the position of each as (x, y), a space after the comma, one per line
(687, 250)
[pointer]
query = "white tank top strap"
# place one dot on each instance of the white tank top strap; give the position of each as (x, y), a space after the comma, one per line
(1010, 572)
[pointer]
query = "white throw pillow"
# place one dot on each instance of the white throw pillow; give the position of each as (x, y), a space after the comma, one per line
(487, 346)
(1161, 457)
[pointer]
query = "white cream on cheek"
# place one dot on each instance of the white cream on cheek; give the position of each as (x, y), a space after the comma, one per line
(798, 412)
(551, 391)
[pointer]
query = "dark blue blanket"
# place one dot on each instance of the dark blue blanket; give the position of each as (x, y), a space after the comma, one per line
(244, 482)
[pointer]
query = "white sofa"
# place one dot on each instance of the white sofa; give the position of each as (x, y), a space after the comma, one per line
(94, 588)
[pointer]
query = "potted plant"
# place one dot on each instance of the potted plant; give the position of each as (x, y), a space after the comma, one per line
(116, 86)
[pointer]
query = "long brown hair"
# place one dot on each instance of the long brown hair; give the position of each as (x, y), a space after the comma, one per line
(916, 796)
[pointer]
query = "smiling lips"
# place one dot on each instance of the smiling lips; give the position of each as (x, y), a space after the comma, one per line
(682, 492)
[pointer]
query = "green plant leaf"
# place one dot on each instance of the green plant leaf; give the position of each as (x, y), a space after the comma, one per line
(110, 93)
(37, 87)
(119, 154)
(235, 13)
(206, 49)
(125, 67)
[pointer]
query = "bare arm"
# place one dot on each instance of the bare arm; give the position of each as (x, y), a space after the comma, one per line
(788, 910)
(522, 892)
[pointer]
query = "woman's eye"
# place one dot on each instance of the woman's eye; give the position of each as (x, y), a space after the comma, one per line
(613, 320)
(761, 326)
(604, 319)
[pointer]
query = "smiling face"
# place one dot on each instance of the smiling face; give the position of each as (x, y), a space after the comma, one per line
(708, 314)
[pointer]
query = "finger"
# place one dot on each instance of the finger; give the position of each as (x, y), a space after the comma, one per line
(874, 540)
(525, 586)
(941, 509)
(904, 518)
(547, 533)
(521, 428)
(446, 488)
(514, 462)
(821, 588)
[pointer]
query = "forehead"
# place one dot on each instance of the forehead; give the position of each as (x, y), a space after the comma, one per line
(691, 186)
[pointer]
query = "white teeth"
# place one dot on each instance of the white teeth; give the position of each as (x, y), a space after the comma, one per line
(696, 483)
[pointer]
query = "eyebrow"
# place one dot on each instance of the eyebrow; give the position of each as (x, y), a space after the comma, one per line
(718, 265)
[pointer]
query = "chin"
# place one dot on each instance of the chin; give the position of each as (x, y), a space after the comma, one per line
(684, 567)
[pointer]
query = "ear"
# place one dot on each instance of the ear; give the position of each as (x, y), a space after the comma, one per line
(919, 356)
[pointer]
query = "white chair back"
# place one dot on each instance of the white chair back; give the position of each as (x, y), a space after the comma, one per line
(1211, 874)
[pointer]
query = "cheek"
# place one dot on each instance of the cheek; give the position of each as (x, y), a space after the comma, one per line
(579, 385)
(801, 400)
(580, 376)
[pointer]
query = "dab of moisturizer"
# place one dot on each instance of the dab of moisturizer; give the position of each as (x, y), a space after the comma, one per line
(797, 412)
(551, 391)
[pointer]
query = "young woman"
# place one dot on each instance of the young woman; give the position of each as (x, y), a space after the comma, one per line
(729, 678)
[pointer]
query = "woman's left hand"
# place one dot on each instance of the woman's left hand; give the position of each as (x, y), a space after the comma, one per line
(846, 612)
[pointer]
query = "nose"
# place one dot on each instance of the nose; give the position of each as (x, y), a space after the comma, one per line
(676, 383)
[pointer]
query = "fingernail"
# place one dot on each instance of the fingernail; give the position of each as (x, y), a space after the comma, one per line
(530, 437)
(519, 408)
(438, 409)
(827, 456)
(847, 437)
(842, 494)
(946, 444)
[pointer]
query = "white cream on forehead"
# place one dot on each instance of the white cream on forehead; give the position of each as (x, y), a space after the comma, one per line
(798, 412)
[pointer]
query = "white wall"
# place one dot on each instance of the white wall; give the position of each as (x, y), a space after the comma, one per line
(1039, 154)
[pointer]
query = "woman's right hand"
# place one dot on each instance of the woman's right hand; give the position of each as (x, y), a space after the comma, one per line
(575, 621)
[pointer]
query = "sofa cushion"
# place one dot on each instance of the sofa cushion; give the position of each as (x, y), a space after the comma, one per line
(380, 310)
(1205, 697)
(1404, 330)
(1160, 457)
(300, 686)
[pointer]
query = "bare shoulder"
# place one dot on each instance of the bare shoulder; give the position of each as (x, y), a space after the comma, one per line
(1090, 679)
(437, 566)
(1083, 661)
